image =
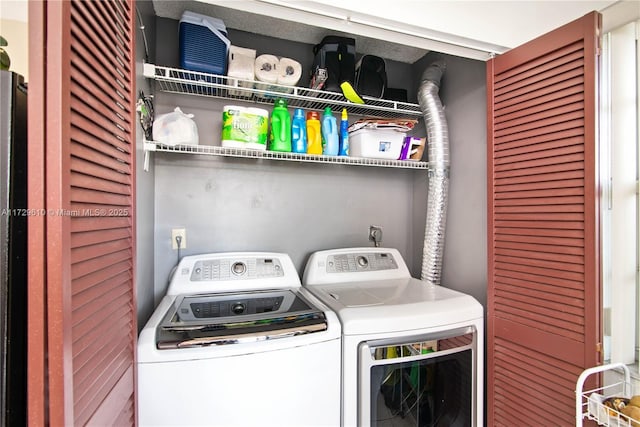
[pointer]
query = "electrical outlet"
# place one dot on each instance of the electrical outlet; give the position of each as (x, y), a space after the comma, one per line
(179, 233)
(375, 234)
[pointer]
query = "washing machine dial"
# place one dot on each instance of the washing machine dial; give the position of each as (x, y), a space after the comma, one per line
(238, 268)
(238, 308)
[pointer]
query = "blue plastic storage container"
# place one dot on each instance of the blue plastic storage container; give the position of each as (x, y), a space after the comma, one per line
(204, 45)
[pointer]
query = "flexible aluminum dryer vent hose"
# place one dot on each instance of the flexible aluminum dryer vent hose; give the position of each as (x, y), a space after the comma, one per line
(438, 152)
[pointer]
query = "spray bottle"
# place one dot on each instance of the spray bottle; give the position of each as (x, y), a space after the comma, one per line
(344, 134)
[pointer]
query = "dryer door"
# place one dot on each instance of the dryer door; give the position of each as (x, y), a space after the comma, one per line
(428, 380)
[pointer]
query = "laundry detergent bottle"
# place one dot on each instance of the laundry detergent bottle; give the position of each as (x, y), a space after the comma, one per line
(329, 133)
(298, 132)
(280, 135)
(314, 137)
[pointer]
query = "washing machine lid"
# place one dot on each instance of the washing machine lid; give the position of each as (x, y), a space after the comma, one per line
(231, 318)
(395, 305)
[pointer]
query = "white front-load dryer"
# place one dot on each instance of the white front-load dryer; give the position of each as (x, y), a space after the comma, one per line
(412, 351)
(238, 342)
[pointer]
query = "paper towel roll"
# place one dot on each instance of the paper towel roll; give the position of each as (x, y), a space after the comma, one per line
(289, 72)
(266, 68)
(241, 64)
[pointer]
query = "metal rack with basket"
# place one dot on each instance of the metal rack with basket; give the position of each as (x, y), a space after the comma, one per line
(591, 404)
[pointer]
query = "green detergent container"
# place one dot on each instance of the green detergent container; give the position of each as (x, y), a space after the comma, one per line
(280, 135)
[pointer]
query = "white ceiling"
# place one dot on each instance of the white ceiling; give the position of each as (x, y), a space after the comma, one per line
(496, 24)
(502, 23)
(401, 30)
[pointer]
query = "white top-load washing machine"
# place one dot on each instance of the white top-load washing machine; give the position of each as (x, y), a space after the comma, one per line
(238, 342)
(412, 351)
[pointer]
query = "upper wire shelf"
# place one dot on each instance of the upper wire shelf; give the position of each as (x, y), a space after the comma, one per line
(177, 80)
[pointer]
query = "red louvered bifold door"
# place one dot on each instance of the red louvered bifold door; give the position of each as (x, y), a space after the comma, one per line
(543, 299)
(82, 146)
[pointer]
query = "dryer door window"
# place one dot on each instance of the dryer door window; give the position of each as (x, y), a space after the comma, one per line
(427, 382)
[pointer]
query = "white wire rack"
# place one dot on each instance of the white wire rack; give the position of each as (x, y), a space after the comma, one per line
(590, 403)
(212, 150)
(181, 81)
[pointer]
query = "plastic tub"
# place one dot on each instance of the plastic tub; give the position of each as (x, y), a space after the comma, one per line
(376, 143)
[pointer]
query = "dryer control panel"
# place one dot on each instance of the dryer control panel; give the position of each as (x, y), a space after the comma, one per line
(348, 263)
(354, 265)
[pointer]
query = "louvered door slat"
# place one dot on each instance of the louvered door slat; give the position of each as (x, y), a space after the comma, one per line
(549, 60)
(536, 177)
(90, 116)
(113, 137)
(104, 381)
(99, 115)
(82, 268)
(566, 63)
(543, 284)
(532, 88)
(569, 134)
(83, 362)
(83, 223)
(517, 109)
(88, 168)
(558, 126)
(90, 79)
(99, 183)
(537, 294)
(574, 85)
(516, 236)
(573, 297)
(99, 42)
(79, 240)
(92, 329)
(565, 110)
(503, 243)
(95, 277)
(107, 156)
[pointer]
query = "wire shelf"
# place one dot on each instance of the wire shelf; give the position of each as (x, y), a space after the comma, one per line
(212, 150)
(181, 81)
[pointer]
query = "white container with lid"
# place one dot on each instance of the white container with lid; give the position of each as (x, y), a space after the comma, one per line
(376, 143)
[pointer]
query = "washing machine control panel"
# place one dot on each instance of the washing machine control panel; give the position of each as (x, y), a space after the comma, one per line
(356, 262)
(230, 269)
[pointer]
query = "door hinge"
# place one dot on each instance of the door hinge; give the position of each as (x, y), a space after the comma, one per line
(599, 353)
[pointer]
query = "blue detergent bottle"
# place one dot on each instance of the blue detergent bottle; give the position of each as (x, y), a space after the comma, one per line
(330, 143)
(344, 134)
(299, 132)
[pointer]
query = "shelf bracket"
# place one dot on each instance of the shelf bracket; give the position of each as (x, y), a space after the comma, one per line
(148, 147)
(149, 70)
